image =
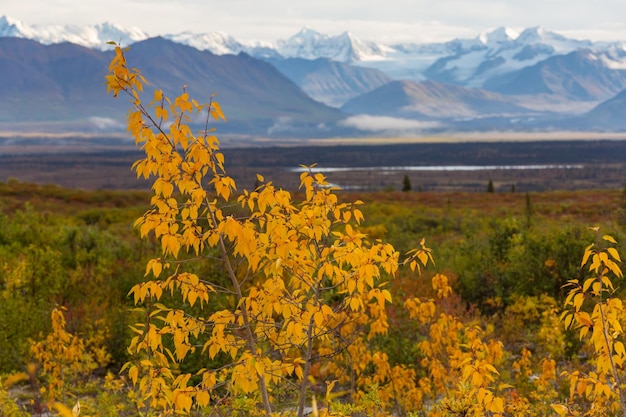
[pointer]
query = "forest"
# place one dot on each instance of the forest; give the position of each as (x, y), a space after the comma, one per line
(202, 298)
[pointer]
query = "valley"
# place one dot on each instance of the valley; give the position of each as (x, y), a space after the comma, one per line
(433, 164)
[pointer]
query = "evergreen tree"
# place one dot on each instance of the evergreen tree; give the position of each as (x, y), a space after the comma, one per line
(406, 183)
(528, 211)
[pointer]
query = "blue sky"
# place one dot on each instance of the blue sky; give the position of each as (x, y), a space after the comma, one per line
(385, 21)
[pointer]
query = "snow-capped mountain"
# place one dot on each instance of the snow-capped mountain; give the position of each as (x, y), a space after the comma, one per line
(220, 43)
(465, 62)
(216, 42)
(539, 70)
(614, 55)
(578, 76)
(309, 44)
(94, 36)
(498, 52)
(498, 36)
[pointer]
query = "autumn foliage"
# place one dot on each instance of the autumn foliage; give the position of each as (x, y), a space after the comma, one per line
(266, 302)
(306, 285)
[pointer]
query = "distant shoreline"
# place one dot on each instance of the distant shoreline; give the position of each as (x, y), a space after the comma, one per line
(599, 162)
(22, 142)
(476, 137)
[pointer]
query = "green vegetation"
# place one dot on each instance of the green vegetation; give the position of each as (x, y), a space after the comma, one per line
(264, 302)
(69, 248)
(507, 261)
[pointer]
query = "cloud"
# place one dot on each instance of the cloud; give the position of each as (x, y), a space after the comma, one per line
(106, 123)
(286, 124)
(281, 125)
(387, 124)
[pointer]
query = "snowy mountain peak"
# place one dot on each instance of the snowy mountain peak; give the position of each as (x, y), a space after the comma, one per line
(538, 34)
(310, 44)
(559, 43)
(307, 35)
(105, 32)
(348, 35)
(468, 62)
(14, 28)
(498, 36)
(95, 36)
(216, 42)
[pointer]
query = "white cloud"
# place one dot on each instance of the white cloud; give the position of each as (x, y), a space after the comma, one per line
(281, 125)
(106, 123)
(387, 124)
(286, 124)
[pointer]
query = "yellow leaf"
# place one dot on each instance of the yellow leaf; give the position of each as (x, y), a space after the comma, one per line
(203, 398)
(491, 368)
(609, 238)
(358, 216)
(156, 265)
(496, 406)
(614, 254)
(351, 286)
(13, 379)
(584, 319)
(588, 283)
(578, 301)
(216, 111)
(481, 395)
(588, 253)
(318, 317)
(299, 372)
(62, 410)
(567, 318)
(260, 368)
(133, 373)
(355, 304)
(161, 113)
(561, 410)
(183, 402)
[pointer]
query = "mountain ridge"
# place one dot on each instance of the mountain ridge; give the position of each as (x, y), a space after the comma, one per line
(430, 100)
(65, 83)
(470, 62)
(499, 79)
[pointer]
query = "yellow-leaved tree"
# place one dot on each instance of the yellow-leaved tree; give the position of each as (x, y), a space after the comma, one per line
(302, 284)
(597, 314)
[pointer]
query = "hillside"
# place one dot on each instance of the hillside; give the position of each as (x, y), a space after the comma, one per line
(61, 82)
(64, 83)
(578, 76)
(331, 82)
(610, 114)
(430, 100)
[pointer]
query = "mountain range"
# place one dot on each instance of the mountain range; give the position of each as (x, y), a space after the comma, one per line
(311, 83)
(65, 83)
